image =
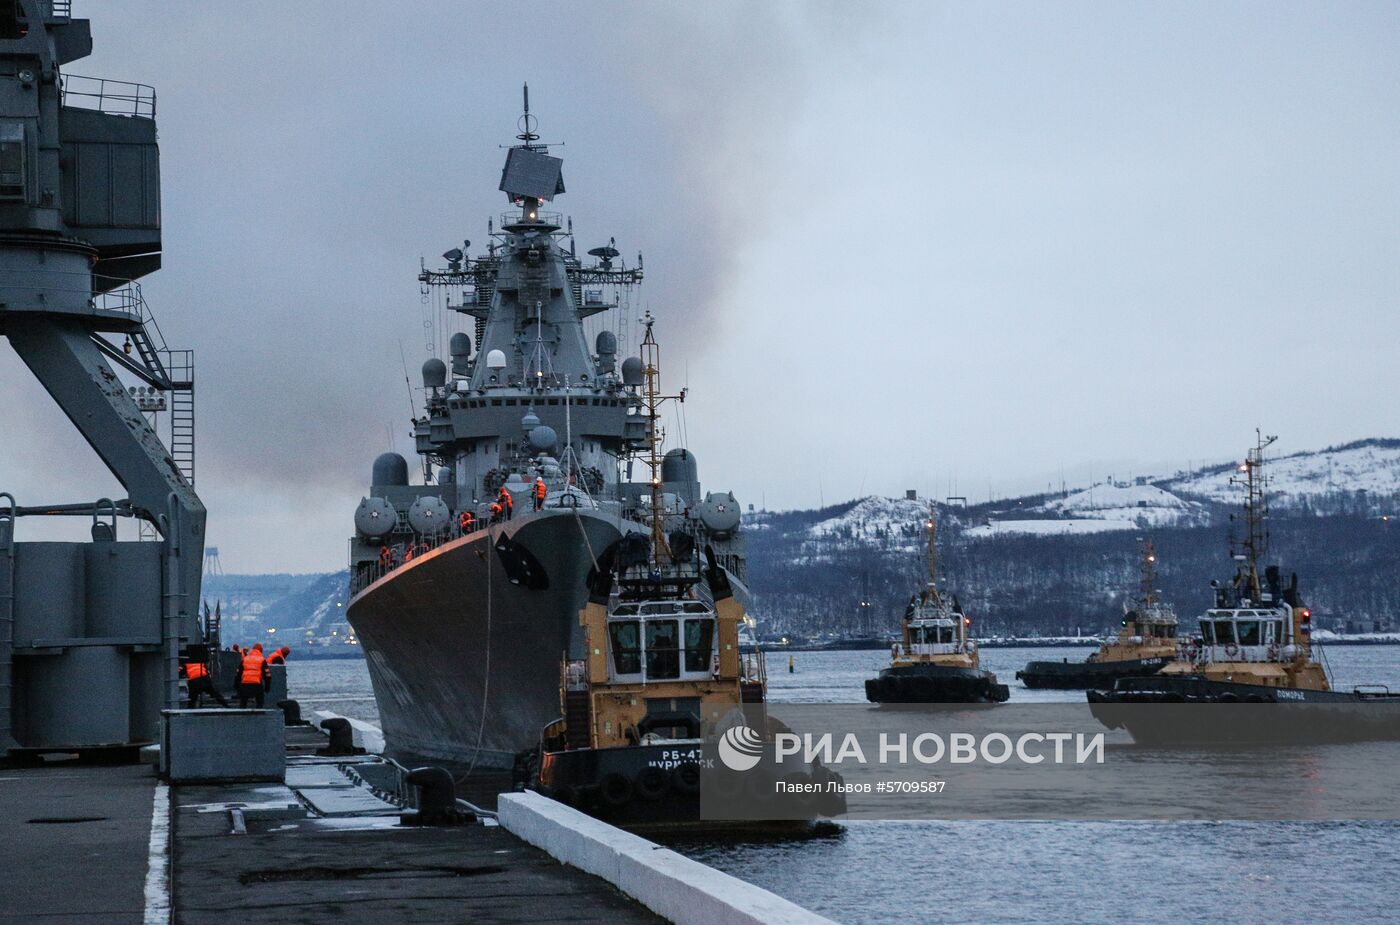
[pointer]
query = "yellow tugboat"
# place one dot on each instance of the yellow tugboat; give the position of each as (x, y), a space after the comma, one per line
(1254, 644)
(663, 667)
(936, 662)
(1146, 643)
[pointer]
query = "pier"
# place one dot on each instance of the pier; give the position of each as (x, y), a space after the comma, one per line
(116, 844)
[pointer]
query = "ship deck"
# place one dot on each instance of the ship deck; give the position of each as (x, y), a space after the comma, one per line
(92, 861)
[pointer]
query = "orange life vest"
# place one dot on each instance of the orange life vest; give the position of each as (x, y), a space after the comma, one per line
(540, 489)
(506, 499)
(252, 668)
(464, 520)
(276, 659)
(196, 670)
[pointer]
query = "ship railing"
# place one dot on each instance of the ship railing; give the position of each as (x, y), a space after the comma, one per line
(541, 218)
(113, 97)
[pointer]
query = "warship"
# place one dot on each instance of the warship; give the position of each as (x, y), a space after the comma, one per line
(1254, 646)
(936, 662)
(466, 587)
(1146, 643)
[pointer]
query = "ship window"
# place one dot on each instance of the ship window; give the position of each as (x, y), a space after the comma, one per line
(495, 403)
(663, 650)
(1249, 632)
(626, 646)
(510, 403)
(1207, 634)
(699, 644)
(1224, 632)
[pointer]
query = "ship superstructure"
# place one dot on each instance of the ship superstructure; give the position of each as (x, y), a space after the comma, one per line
(466, 588)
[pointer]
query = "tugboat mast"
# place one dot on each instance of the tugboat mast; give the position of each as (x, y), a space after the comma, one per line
(652, 400)
(1149, 573)
(1255, 541)
(931, 556)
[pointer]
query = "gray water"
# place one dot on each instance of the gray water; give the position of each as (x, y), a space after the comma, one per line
(1040, 873)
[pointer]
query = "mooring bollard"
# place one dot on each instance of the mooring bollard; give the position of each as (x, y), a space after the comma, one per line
(437, 799)
(291, 713)
(342, 738)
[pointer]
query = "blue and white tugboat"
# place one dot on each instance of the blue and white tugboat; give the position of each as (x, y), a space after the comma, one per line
(936, 662)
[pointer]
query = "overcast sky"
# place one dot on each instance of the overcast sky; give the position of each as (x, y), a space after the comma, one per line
(958, 248)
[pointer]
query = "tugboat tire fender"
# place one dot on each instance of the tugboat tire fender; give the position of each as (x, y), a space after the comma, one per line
(652, 783)
(615, 790)
(1228, 698)
(686, 778)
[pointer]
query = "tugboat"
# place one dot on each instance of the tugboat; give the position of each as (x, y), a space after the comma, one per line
(936, 662)
(662, 666)
(1146, 643)
(1254, 644)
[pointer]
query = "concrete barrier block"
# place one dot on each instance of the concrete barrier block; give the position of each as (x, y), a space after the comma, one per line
(682, 890)
(222, 745)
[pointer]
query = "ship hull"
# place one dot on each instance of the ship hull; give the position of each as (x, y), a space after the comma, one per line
(1311, 716)
(935, 684)
(658, 786)
(464, 660)
(1084, 675)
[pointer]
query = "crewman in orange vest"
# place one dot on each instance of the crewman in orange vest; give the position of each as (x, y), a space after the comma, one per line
(252, 676)
(540, 491)
(467, 521)
(386, 557)
(280, 656)
(198, 682)
(495, 512)
(507, 502)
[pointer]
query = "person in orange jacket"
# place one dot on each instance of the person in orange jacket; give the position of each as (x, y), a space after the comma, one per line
(495, 512)
(506, 501)
(199, 683)
(251, 676)
(539, 492)
(279, 657)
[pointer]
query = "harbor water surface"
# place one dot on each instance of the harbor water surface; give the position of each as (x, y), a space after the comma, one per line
(1044, 873)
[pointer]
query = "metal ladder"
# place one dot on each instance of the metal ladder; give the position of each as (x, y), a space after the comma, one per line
(180, 364)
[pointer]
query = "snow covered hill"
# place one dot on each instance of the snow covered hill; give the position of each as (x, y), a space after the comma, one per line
(1370, 466)
(1098, 509)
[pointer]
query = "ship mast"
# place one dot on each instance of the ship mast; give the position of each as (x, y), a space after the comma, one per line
(931, 555)
(652, 400)
(1255, 541)
(1149, 573)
